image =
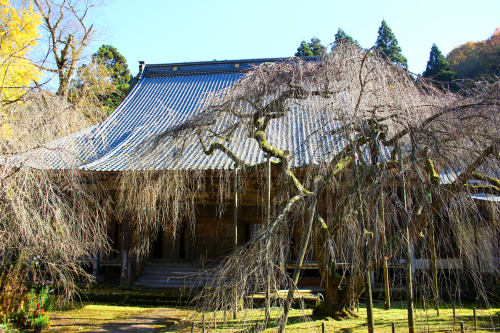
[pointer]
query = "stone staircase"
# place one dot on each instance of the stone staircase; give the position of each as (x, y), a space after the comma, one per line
(168, 274)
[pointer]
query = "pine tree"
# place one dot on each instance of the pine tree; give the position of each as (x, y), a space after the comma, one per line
(342, 37)
(104, 81)
(314, 48)
(116, 63)
(388, 45)
(304, 50)
(437, 67)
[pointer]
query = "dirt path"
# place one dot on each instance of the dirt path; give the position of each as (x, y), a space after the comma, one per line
(149, 321)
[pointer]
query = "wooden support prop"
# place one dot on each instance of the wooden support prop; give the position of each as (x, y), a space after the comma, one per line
(462, 327)
(433, 261)
(393, 328)
(298, 265)
(235, 241)
(366, 244)
(235, 208)
(192, 327)
(454, 316)
(406, 219)
(387, 291)
(475, 318)
(323, 327)
(203, 323)
(268, 223)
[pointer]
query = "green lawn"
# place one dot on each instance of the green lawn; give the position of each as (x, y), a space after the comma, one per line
(87, 316)
(82, 316)
(300, 321)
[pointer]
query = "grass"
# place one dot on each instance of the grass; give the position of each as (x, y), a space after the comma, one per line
(84, 316)
(87, 316)
(300, 321)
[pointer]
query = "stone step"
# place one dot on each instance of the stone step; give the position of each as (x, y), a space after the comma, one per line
(164, 274)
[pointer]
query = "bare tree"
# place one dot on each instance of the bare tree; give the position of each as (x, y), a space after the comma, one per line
(69, 32)
(53, 221)
(392, 151)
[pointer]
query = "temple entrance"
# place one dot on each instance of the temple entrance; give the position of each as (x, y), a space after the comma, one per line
(158, 244)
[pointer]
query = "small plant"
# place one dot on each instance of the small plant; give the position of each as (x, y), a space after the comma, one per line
(39, 305)
(35, 308)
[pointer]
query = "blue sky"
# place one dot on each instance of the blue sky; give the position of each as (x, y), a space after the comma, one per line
(164, 31)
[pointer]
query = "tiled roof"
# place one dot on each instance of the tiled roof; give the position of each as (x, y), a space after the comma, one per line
(165, 96)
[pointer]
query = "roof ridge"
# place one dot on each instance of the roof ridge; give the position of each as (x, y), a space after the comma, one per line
(209, 67)
(217, 62)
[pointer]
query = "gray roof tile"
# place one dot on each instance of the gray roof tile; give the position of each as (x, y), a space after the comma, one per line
(163, 98)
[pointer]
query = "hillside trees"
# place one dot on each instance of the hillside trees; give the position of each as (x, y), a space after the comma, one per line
(389, 46)
(396, 138)
(476, 60)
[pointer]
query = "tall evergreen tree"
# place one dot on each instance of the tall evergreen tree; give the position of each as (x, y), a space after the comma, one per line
(437, 67)
(316, 47)
(109, 56)
(313, 48)
(116, 63)
(388, 45)
(342, 37)
(304, 50)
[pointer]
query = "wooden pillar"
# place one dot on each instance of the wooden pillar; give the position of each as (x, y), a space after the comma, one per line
(95, 266)
(126, 237)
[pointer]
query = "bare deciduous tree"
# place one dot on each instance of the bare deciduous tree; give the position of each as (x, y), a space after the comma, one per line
(52, 221)
(69, 32)
(396, 152)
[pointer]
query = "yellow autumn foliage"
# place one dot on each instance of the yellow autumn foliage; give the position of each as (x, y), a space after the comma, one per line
(18, 36)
